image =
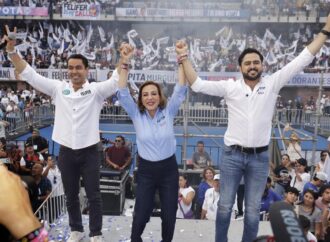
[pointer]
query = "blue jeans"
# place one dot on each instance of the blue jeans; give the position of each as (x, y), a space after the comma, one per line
(233, 165)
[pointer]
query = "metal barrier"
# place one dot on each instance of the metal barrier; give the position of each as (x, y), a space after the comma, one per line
(208, 115)
(54, 206)
(214, 116)
(21, 120)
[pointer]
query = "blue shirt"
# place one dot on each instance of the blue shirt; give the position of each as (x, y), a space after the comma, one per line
(268, 200)
(155, 138)
(202, 187)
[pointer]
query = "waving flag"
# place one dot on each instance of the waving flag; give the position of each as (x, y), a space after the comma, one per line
(102, 34)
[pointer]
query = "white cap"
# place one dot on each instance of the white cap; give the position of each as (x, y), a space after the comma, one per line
(216, 177)
(321, 176)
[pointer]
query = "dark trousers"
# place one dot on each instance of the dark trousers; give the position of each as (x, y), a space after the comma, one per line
(240, 199)
(84, 163)
(151, 176)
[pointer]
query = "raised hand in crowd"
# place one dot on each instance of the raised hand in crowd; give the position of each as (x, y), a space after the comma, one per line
(126, 52)
(18, 62)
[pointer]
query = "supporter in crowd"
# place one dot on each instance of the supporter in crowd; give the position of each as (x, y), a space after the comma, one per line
(318, 180)
(201, 158)
(186, 196)
(301, 176)
(206, 183)
(40, 144)
(153, 120)
(29, 159)
(323, 203)
(118, 156)
(76, 129)
(268, 198)
(245, 153)
(306, 224)
(43, 183)
(308, 208)
(14, 155)
(321, 163)
(293, 147)
(11, 115)
(291, 195)
(52, 172)
(282, 175)
(210, 204)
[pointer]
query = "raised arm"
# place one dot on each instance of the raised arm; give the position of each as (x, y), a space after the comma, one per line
(315, 46)
(181, 75)
(126, 53)
(17, 61)
(181, 49)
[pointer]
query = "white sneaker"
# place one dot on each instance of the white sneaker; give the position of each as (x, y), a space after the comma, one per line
(76, 236)
(97, 238)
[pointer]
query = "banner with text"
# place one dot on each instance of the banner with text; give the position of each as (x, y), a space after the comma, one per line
(81, 10)
(23, 11)
(140, 76)
(162, 12)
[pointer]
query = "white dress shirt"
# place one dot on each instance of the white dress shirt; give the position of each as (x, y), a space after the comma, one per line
(77, 113)
(250, 112)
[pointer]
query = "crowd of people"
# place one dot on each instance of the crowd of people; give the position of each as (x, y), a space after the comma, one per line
(254, 7)
(47, 45)
(292, 181)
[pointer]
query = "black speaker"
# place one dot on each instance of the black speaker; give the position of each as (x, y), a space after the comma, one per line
(113, 201)
(112, 188)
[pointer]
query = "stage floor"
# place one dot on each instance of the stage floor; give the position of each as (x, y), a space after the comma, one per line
(117, 228)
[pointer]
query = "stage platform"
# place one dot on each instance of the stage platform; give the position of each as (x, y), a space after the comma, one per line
(117, 228)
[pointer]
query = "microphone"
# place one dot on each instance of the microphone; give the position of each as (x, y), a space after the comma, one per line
(285, 224)
(246, 95)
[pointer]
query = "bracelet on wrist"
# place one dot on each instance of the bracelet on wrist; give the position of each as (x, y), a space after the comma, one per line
(38, 235)
(325, 32)
(124, 66)
(11, 52)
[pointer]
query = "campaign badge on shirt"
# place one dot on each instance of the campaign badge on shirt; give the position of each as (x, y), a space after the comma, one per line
(66, 92)
(161, 120)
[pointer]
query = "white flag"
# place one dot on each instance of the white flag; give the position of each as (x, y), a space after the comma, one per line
(270, 58)
(61, 49)
(102, 34)
(163, 41)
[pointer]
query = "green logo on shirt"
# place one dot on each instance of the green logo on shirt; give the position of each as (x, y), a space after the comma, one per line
(66, 92)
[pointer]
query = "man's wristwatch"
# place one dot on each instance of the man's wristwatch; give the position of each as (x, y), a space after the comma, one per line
(327, 33)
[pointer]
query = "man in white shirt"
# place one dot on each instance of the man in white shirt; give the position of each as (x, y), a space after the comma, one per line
(210, 205)
(76, 128)
(251, 102)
